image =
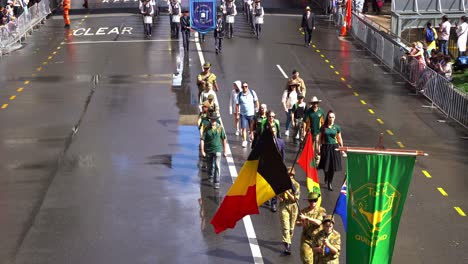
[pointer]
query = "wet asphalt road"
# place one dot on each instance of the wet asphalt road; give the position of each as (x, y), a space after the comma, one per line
(99, 160)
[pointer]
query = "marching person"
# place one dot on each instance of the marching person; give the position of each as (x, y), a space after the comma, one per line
(258, 14)
(212, 143)
(175, 11)
(308, 25)
(66, 4)
(258, 124)
(313, 120)
(232, 103)
(462, 34)
(208, 94)
(327, 243)
(206, 77)
(288, 99)
(288, 211)
(146, 9)
(231, 12)
(310, 218)
(246, 106)
(185, 29)
(301, 89)
(329, 140)
(219, 33)
(297, 115)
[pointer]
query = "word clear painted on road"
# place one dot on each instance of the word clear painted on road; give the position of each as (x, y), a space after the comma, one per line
(102, 31)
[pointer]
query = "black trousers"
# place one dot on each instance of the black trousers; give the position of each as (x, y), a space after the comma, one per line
(307, 35)
(148, 28)
(185, 39)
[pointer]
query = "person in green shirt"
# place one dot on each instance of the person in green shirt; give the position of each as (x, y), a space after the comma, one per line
(212, 143)
(256, 127)
(312, 121)
(329, 140)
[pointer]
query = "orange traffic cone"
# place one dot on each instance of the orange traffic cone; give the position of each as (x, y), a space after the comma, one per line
(343, 30)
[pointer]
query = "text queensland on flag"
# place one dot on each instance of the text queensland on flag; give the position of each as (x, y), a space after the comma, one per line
(262, 177)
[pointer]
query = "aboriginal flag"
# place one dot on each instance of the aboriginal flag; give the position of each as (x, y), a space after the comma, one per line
(307, 163)
(262, 177)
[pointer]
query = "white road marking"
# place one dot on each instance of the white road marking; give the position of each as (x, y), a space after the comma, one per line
(282, 71)
(249, 229)
(120, 41)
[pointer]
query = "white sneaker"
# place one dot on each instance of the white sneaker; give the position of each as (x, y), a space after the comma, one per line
(297, 136)
(286, 133)
(244, 143)
(237, 132)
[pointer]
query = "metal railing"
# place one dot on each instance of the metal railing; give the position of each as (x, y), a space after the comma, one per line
(17, 29)
(390, 50)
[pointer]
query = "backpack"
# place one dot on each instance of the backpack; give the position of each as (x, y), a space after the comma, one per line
(429, 35)
(251, 92)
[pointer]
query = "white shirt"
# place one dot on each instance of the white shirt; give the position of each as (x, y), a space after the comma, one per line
(445, 31)
(290, 100)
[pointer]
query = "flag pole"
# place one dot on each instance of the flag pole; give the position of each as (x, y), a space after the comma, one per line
(380, 149)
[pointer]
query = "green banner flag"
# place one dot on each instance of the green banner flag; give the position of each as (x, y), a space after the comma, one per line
(377, 189)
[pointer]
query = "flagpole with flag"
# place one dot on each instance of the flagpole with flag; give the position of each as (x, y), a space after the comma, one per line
(262, 177)
(308, 164)
(340, 205)
(377, 184)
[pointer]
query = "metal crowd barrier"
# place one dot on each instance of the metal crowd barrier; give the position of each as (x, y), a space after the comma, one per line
(390, 50)
(14, 31)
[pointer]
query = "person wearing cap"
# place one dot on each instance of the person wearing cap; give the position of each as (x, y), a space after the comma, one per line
(147, 11)
(185, 29)
(206, 76)
(219, 33)
(310, 218)
(258, 14)
(256, 127)
(230, 12)
(327, 243)
(297, 115)
(308, 25)
(329, 140)
(301, 88)
(212, 143)
(313, 119)
(232, 104)
(288, 99)
(289, 209)
(208, 95)
(203, 117)
(66, 5)
(246, 106)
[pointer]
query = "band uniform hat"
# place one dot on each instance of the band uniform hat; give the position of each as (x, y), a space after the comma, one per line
(328, 218)
(210, 97)
(315, 100)
(307, 7)
(206, 104)
(206, 65)
(214, 116)
(313, 195)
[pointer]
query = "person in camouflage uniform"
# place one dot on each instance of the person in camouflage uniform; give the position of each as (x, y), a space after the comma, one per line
(326, 244)
(310, 219)
(288, 211)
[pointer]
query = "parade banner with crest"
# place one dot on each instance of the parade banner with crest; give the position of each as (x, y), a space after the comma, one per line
(377, 189)
(203, 15)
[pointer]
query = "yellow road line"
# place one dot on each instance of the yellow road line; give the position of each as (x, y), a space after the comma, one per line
(363, 102)
(356, 94)
(332, 67)
(44, 63)
(337, 72)
(54, 52)
(313, 46)
(459, 210)
(349, 86)
(343, 79)
(321, 55)
(327, 61)
(12, 97)
(39, 69)
(426, 173)
(318, 51)
(400, 144)
(33, 75)
(390, 132)
(26, 82)
(380, 121)
(442, 191)
(49, 58)
(58, 47)
(20, 89)
(4, 106)
(371, 111)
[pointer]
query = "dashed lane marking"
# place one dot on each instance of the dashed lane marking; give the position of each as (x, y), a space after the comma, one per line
(390, 132)
(20, 89)
(343, 79)
(363, 102)
(321, 55)
(39, 69)
(442, 191)
(380, 121)
(12, 97)
(26, 82)
(54, 52)
(332, 67)
(356, 94)
(426, 173)
(33, 75)
(337, 72)
(318, 51)
(349, 86)
(4, 106)
(44, 63)
(327, 61)
(459, 211)
(49, 58)
(371, 111)
(400, 144)
(282, 71)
